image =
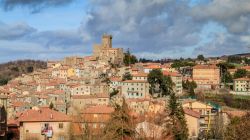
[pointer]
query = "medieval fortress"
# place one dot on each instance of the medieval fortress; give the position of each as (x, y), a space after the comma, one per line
(103, 53)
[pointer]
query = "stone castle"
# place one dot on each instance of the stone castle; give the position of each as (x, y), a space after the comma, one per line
(104, 51)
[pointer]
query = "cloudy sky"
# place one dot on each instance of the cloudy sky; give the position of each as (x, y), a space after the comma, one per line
(52, 29)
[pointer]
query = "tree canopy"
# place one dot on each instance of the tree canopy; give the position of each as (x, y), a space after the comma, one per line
(159, 83)
(240, 73)
(129, 58)
(120, 124)
(184, 63)
(175, 123)
(238, 128)
(201, 57)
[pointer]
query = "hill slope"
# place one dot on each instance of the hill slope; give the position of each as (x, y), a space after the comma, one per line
(14, 69)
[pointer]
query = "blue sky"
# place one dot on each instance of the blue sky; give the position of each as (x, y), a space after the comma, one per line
(53, 29)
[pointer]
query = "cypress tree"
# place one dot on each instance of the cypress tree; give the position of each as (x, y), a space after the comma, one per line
(176, 123)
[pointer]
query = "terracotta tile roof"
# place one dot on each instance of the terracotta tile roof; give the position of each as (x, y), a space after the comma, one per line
(98, 109)
(135, 81)
(154, 66)
(174, 74)
(140, 75)
(13, 122)
(246, 67)
(102, 95)
(242, 79)
(116, 79)
(58, 92)
(205, 67)
(19, 103)
(191, 113)
(43, 115)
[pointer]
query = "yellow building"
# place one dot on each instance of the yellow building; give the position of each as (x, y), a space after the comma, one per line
(207, 114)
(71, 72)
(193, 122)
(206, 76)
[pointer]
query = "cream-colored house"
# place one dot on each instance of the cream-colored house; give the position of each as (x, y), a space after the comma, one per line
(135, 89)
(41, 123)
(140, 76)
(193, 122)
(242, 86)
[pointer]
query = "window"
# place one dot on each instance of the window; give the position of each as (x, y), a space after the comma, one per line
(94, 125)
(60, 125)
(61, 138)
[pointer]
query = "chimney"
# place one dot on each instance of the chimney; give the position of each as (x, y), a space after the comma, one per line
(51, 116)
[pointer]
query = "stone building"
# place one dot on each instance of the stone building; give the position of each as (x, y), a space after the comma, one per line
(104, 51)
(206, 76)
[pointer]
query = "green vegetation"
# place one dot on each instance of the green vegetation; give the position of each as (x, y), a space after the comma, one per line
(189, 87)
(234, 59)
(240, 73)
(201, 57)
(113, 93)
(159, 83)
(14, 69)
(234, 101)
(182, 63)
(127, 76)
(129, 58)
(176, 125)
(238, 60)
(120, 125)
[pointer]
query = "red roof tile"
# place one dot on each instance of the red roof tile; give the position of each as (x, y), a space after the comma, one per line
(43, 115)
(192, 113)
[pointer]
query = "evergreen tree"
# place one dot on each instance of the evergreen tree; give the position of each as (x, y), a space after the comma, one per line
(176, 124)
(157, 79)
(51, 105)
(120, 125)
(167, 85)
(201, 57)
(129, 58)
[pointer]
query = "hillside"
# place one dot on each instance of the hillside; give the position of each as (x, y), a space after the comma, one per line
(14, 69)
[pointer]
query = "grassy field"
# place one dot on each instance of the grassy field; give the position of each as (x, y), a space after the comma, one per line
(233, 101)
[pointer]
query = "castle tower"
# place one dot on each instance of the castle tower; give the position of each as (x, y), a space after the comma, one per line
(107, 41)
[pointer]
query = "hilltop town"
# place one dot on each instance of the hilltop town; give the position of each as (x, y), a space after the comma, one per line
(75, 98)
